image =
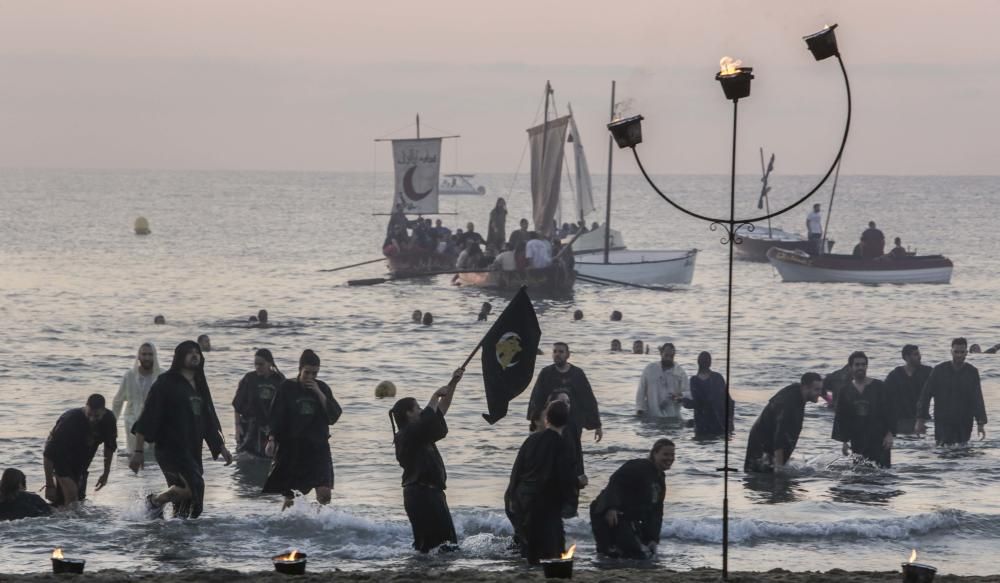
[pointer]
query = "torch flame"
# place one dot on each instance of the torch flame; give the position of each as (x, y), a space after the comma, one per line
(913, 556)
(57, 553)
(569, 553)
(292, 555)
(729, 66)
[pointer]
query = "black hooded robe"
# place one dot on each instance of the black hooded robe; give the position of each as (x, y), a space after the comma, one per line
(863, 419)
(958, 400)
(177, 418)
(636, 490)
(23, 505)
(777, 427)
(541, 482)
(301, 430)
(424, 478)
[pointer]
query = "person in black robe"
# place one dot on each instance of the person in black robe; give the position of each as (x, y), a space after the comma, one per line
(708, 399)
(177, 418)
(905, 383)
(303, 411)
(775, 434)
(424, 474)
(496, 232)
(958, 399)
(572, 437)
(252, 404)
(71, 447)
(627, 515)
(834, 382)
(561, 374)
(15, 500)
(541, 482)
(865, 418)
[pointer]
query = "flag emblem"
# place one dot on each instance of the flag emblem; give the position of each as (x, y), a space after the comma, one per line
(508, 348)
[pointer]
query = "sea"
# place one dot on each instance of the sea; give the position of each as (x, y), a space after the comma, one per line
(79, 291)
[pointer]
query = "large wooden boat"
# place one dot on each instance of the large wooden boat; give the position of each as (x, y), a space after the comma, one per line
(418, 261)
(553, 280)
(799, 266)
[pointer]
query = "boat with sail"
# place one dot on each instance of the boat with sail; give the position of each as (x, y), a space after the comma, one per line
(610, 261)
(547, 144)
(416, 165)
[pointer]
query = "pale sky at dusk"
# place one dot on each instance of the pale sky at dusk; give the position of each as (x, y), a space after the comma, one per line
(307, 85)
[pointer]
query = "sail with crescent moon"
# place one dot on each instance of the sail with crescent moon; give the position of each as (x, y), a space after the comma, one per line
(547, 150)
(417, 163)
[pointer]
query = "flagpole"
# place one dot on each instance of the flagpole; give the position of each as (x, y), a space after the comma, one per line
(474, 351)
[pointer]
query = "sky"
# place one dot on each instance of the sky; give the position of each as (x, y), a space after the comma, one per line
(309, 84)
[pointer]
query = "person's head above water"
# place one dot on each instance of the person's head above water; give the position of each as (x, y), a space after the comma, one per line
(12, 482)
(578, 315)
(417, 316)
(637, 347)
(262, 316)
(428, 319)
(205, 343)
(616, 345)
(616, 316)
(159, 319)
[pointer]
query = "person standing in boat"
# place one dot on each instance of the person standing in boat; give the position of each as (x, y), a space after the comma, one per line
(814, 227)
(872, 242)
(538, 252)
(424, 474)
(662, 387)
(905, 383)
(865, 420)
(957, 393)
(496, 231)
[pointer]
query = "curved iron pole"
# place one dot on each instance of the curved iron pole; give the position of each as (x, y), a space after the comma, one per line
(733, 221)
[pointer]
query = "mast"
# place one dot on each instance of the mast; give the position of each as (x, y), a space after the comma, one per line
(607, 208)
(418, 126)
(545, 135)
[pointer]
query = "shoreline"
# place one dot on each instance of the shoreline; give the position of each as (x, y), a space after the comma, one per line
(422, 575)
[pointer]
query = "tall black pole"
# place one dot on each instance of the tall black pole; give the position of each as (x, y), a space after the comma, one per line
(607, 210)
(729, 344)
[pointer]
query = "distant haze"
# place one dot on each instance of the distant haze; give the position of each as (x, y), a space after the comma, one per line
(307, 85)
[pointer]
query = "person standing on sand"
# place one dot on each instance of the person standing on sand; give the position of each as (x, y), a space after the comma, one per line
(178, 417)
(303, 411)
(71, 447)
(134, 389)
(424, 474)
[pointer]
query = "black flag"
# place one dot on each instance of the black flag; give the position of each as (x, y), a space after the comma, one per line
(508, 353)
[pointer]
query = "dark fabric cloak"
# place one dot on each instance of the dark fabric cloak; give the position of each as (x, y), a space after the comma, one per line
(905, 392)
(863, 420)
(777, 427)
(636, 490)
(424, 478)
(958, 401)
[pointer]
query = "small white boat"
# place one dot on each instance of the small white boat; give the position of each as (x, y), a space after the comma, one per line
(799, 266)
(637, 266)
(460, 184)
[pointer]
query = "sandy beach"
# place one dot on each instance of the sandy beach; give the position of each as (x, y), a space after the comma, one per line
(520, 575)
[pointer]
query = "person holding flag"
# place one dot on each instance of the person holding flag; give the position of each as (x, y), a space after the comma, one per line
(424, 474)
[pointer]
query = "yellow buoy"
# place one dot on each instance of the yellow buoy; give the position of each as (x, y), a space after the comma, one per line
(385, 389)
(142, 226)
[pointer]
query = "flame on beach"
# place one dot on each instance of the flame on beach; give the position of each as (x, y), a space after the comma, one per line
(292, 556)
(913, 556)
(569, 553)
(729, 66)
(57, 553)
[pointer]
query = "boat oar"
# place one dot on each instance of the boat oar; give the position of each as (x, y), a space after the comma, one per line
(353, 265)
(378, 280)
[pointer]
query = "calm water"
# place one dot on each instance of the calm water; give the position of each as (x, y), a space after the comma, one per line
(78, 292)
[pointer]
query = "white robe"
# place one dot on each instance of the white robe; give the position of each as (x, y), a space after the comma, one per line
(656, 386)
(131, 396)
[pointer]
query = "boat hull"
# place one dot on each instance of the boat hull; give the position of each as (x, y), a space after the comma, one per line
(551, 280)
(594, 241)
(797, 266)
(415, 262)
(754, 246)
(639, 267)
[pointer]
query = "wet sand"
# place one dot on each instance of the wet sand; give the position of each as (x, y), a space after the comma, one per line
(515, 576)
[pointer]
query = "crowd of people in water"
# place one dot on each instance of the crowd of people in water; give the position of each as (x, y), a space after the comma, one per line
(169, 414)
(468, 250)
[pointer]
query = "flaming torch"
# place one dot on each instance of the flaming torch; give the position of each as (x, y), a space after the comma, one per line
(561, 568)
(60, 564)
(914, 572)
(290, 563)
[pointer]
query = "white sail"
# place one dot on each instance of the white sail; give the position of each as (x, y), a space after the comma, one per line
(584, 189)
(547, 149)
(417, 163)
